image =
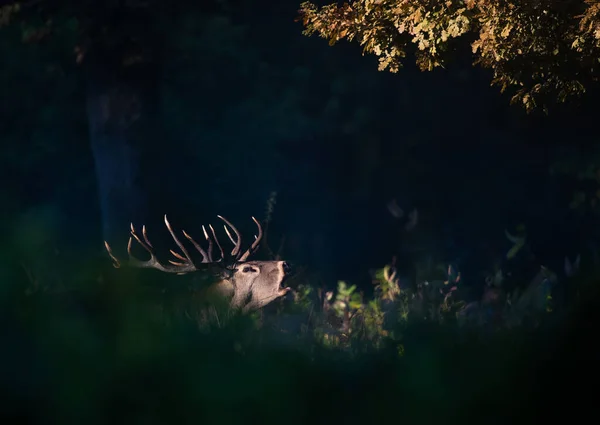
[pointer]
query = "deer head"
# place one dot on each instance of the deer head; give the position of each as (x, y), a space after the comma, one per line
(249, 285)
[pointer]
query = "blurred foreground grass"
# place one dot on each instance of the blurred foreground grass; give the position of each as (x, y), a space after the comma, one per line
(108, 346)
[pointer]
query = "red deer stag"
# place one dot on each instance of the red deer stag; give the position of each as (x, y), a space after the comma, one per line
(249, 285)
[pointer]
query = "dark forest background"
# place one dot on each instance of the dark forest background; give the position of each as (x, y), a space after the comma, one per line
(246, 107)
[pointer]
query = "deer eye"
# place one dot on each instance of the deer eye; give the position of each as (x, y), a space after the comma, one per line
(248, 269)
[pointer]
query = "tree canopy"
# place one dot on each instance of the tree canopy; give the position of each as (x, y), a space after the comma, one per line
(544, 51)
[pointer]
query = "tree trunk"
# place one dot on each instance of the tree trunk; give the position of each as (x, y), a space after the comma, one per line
(122, 116)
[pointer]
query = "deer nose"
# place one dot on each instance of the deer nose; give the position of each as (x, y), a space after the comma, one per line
(287, 268)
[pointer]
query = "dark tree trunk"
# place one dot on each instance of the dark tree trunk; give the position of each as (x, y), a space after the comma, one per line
(123, 52)
(122, 119)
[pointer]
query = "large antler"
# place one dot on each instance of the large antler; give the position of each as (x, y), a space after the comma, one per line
(185, 263)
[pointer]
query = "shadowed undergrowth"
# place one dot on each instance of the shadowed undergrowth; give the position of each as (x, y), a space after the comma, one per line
(115, 346)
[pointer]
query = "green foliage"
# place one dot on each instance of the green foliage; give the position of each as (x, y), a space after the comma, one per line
(360, 323)
(544, 51)
(347, 301)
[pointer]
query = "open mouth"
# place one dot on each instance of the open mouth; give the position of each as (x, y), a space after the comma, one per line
(283, 288)
(286, 270)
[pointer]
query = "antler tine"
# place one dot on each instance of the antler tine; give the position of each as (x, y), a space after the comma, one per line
(186, 264)
(205, 257)
(210, 244)
(153, 261)
(146, 236)
(238, 244)
(150, 263)
(256, 242)
(217, 242)
(187, 258)
(116, 262)
(229, 235)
